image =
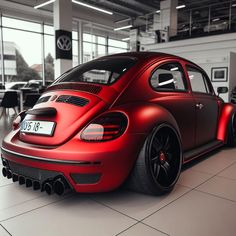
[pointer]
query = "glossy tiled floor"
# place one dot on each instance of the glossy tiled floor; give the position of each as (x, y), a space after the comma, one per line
(202, 203)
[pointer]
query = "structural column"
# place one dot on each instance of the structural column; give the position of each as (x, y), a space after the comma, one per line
(63, 35)
(168, 18)
(80, 46)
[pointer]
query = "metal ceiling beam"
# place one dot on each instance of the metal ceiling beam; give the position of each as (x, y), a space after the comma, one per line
(151, 3)
(136, 5)
(111, 5)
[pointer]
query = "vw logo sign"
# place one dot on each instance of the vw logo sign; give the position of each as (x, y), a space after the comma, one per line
(64, 43)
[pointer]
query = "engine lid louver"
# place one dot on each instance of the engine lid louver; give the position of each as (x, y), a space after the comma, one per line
(77, 101)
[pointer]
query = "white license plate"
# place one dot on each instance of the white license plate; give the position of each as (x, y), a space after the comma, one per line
(38, 127)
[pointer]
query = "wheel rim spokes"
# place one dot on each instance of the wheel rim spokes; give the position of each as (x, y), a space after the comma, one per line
(160, 157)
(165, 167)
(156, 170)
(163, 158)
(166, 145)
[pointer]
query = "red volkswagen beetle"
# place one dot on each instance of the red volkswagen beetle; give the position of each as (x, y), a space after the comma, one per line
(134, 117)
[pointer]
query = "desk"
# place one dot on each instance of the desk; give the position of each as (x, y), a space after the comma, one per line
(20, 94)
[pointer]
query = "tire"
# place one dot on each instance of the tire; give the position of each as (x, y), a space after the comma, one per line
(231, 137)
(159, 163)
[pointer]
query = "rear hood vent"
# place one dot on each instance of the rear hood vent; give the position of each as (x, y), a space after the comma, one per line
(91, 88)
(77, 101)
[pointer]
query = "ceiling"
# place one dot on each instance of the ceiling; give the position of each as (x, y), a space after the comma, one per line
(144, 9)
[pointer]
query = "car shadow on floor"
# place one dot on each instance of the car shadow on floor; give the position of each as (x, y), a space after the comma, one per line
(204, 157)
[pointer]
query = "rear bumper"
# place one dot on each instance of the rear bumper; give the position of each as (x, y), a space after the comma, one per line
(88, 167)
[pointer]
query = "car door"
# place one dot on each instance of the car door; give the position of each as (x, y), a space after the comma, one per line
(173, 93)
(206, 105)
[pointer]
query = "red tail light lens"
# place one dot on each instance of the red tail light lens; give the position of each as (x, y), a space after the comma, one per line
(106, 127)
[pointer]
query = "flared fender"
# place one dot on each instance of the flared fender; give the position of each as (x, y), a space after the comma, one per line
(227, 111)
(143, 117)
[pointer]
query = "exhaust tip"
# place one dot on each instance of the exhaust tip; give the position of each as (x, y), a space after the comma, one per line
(59, 187)
(48, 188)
(4, 162)
(15, 177)
(4, 171)
(36, 185)
(28, 183)
(9, 174)
(21, 180)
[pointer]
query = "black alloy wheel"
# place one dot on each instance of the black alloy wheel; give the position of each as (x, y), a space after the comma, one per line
(159, 163)
(234, 128)
(164, 157)
(231, 138)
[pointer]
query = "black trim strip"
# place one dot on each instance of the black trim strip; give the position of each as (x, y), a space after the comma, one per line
(57, 161)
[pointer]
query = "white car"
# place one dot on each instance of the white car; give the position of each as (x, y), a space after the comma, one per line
(215, 26)
(15, 85)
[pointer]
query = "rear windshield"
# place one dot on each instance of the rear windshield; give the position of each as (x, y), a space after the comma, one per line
(103, 71)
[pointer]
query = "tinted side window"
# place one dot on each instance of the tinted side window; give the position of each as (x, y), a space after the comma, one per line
(168, 77)
(197, 80)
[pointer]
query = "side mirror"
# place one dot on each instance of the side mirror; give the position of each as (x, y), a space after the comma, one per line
(222, 90)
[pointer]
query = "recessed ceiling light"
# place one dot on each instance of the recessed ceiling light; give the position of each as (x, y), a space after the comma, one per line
(180, 6)
(158, 11)
(216, 19)
(44, 4)
(92, 7)
(126, 39)
(123, 27)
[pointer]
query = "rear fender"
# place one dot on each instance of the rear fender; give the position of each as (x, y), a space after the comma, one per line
(143, 117)
(227, 111)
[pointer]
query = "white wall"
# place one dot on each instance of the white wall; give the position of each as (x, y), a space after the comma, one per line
(207, 52)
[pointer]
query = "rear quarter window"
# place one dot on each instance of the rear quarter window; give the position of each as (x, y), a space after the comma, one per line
(168, 76)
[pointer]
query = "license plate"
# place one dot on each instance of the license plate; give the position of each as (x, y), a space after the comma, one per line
(38, 127)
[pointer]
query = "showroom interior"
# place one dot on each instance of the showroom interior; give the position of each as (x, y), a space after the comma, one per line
(40, 40)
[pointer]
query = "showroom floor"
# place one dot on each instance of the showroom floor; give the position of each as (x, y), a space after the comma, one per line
(202, 203)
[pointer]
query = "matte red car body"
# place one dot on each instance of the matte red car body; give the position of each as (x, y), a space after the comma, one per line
(144, 108)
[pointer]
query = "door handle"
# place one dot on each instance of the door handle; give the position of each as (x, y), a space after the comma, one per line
(199, 106)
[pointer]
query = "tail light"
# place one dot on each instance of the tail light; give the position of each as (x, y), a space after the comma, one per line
(20, 117)
(105, 127)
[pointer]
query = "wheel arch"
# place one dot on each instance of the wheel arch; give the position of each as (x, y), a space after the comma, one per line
(224, 118)
(141, 179)
(144, 117)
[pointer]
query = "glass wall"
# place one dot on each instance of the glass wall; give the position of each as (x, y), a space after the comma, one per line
(75, 48)
(29, 49)
(116, 46)
(21, 57)
(49, 53)
(95, 46)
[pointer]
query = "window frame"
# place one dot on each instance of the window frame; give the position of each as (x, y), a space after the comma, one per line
(185, 82)
(206, 80)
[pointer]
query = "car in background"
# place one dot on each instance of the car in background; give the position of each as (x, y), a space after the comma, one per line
(36, 84)
(129, 117)
(184, 29)
(15, 85)
(216, 26)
